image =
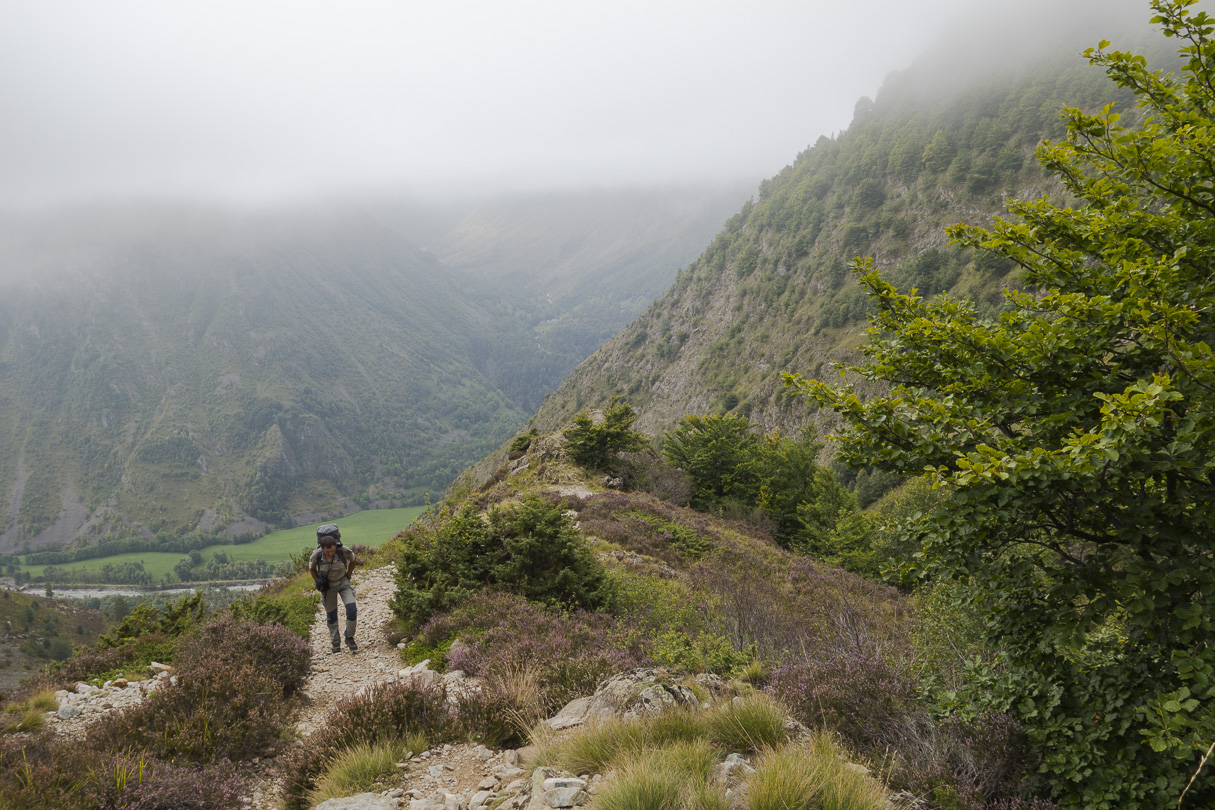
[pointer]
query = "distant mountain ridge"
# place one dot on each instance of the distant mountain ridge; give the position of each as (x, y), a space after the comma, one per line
(562, 272)
(175, 368)
(210, 367)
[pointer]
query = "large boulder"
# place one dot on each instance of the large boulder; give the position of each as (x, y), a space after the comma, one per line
(645, 691)
(629, 694)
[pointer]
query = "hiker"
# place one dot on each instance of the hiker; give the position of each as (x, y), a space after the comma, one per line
(331, 566)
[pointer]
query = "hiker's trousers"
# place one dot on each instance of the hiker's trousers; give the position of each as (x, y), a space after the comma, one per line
(346, 592)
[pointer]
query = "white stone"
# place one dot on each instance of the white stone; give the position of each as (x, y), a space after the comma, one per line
(68, 711)
(573, 714)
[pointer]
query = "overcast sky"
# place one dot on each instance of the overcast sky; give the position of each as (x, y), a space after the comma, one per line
(279, 100)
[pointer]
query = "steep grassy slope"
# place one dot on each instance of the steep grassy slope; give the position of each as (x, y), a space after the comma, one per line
(171, 369)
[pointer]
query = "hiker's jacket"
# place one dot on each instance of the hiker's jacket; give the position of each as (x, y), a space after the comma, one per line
(334, 570)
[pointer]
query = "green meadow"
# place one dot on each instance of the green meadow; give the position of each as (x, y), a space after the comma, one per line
(371, 527)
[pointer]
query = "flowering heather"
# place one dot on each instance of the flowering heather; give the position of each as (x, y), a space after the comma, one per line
(569, 652)
(980, 764)
(646, 525)
(272, 649)
(230, 698)
(127, 782)
(865, 699)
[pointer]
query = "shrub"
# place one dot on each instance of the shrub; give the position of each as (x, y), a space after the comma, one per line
(720, 454)
(546, 560)
(171, 621)
(47, 772)
(530, 549)
(646, 471)
(649, 526)
(980, 764)
(520, 443)
(439, 567)
(271, 649)
(293, 610)
(129, 657)
(863, 698)
(41, 771)
(229, 700)
(145, 634)
(593, 444)
(132, 782)
(568, 654)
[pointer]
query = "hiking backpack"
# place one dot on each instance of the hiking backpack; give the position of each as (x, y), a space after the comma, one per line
(329, 530)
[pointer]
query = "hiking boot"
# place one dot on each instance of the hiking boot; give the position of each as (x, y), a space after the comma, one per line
(352, 644)
(337, 648)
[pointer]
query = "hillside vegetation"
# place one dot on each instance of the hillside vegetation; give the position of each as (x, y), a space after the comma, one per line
(200, 368)
(35, 630)
(773, 293)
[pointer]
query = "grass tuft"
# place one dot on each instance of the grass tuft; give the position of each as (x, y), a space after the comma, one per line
(747, 725)
(814, 777)
(356, 769)
(43, 701)
(28, 714)
(25, 720)
(671, 778)
(597, 747)
(416, 742)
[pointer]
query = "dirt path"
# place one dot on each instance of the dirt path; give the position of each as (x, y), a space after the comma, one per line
(449, 770)
(336, 676)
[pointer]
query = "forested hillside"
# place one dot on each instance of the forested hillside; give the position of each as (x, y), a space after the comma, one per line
(182, 368)
(773, 293)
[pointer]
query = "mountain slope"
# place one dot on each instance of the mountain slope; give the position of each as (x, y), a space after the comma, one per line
(560, 273)
(772, 293)
(166, 369)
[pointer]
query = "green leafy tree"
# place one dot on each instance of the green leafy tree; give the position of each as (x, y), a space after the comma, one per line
(1074, 438)
(592, 444)
(803, 499)
(731, 465)
(441, 567)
